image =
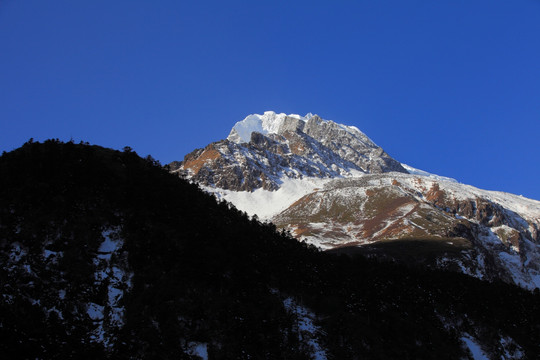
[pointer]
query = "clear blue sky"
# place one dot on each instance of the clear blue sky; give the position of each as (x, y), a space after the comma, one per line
(450, 87)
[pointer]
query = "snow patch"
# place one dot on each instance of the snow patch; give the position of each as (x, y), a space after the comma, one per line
(268, 123)
(95, 311)
(110, 244)
(307, 330)
(198, 349)
(511, 350)
(474, 348)
(266, 204)
(118, 281)
(48, 253)
(245, 127)
(414, 171)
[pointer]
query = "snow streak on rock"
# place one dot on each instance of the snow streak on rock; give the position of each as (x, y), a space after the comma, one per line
(474, 348)
(309, 333)
(110, 264)
(198, 349)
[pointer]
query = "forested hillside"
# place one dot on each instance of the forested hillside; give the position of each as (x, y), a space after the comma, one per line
(105, 254)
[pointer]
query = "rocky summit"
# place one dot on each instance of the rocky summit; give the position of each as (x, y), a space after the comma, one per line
(263, 150)
(332, 186)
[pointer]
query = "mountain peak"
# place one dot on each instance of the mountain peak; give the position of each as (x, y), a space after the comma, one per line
(262, 151)
(269, 122)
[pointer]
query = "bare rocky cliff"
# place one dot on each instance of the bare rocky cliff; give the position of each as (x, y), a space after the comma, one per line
(298, 149)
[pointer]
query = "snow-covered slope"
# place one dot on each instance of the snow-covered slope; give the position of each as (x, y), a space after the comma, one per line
(265, 203)
(415, 171)
(491, 235)
(334, 187)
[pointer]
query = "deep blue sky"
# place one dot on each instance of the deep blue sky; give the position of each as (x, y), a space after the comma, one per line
(450, 87)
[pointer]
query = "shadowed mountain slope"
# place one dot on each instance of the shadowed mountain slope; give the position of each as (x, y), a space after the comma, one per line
(107, 255)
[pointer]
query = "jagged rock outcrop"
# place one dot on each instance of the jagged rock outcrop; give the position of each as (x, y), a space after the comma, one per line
(282, 146)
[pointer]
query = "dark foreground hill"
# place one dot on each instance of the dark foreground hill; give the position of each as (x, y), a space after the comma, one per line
(107, 255)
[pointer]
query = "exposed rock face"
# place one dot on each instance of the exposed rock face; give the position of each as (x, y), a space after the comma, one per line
(352, 145)
(363, 198)
(295, 149)
(442, 224)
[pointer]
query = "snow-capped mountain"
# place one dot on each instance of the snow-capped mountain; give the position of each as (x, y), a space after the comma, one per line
(332, 186)
(262, 151)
